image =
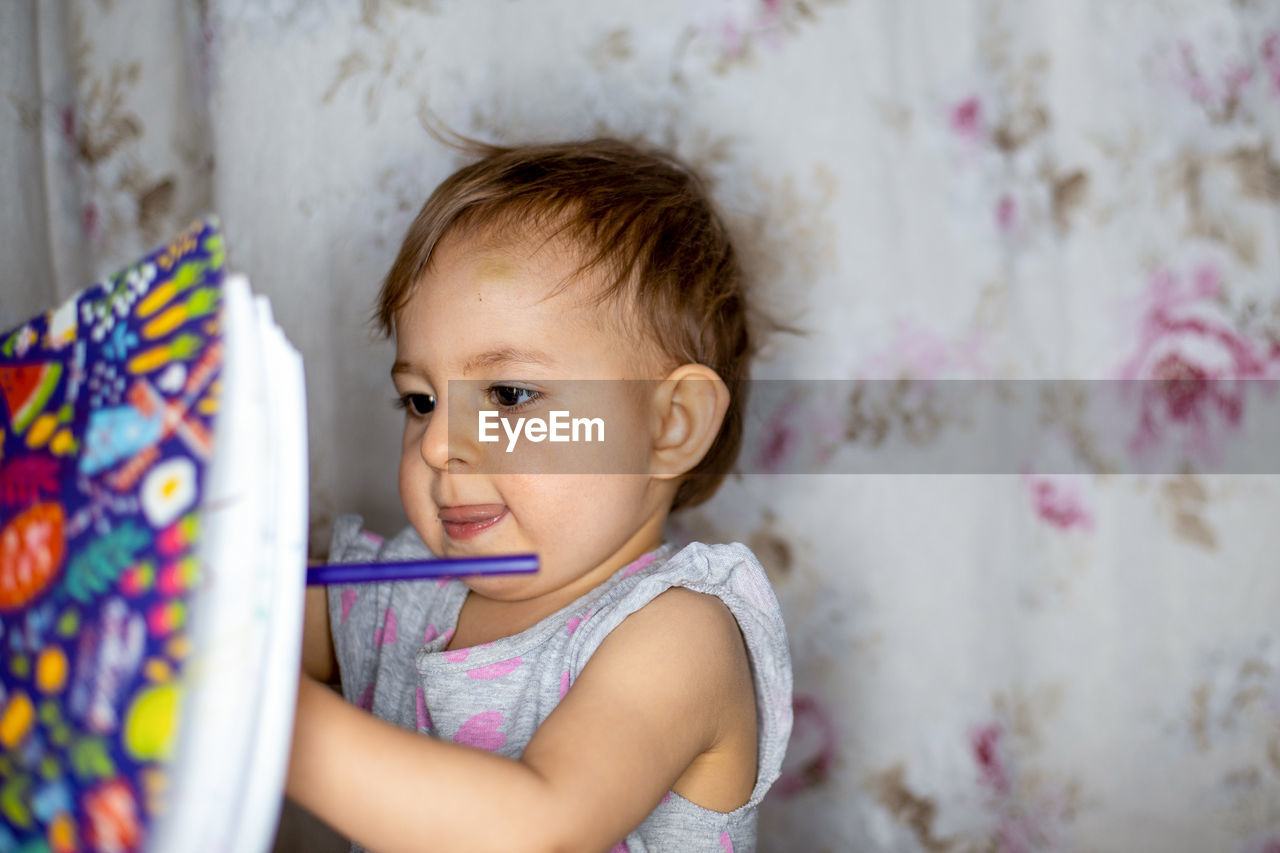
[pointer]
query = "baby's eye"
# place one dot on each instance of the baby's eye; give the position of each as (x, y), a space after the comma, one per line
(416, 404)
(510, 396)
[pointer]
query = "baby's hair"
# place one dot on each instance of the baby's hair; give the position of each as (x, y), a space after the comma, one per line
(640, 217)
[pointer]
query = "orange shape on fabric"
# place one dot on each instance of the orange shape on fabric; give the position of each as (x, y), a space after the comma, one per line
(51, 670)
(62, 834)
(31, 551)
(17, 719)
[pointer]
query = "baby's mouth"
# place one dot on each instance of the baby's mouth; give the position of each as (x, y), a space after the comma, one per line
(467, 521)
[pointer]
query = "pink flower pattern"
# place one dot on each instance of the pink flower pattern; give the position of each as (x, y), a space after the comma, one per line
(1195, 355)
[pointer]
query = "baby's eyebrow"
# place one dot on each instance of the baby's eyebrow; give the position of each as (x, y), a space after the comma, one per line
(401, 367)
(505, 356)
(492, 358)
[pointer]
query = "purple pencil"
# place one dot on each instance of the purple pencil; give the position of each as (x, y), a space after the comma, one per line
(413, 570)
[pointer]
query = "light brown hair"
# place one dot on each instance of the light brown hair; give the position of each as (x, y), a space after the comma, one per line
(642, 219)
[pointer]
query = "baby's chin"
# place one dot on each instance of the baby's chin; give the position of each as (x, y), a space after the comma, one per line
(486, 545)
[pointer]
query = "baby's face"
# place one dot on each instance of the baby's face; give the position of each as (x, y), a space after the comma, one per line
(486, 315)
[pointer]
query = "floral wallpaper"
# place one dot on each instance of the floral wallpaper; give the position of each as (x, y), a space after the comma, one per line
(1083, 658)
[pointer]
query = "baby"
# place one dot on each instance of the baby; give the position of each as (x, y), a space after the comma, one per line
(629, 695)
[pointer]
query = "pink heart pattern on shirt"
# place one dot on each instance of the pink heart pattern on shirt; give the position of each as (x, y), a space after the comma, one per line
(457, 655)
(482, 731)
(643, 563)
(386, 635)
(495, 670)
(575, 621)
(430, 634)
(349, 597)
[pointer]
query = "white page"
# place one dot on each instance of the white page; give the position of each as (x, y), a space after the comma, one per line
(285, 559)
(242, 661)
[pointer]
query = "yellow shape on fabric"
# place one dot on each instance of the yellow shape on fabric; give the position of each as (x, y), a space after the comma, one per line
(16, 721)
(178, 647)
(149, 360)
(63, 444)
(162, 325)
(183, 347)
(184, 245)
(62, 833)
(158, 670)
(184, 277)
(41, 429)
(51, 670)
(156, 299)
(151, 722)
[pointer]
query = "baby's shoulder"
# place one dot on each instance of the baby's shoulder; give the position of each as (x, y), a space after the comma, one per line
(681, 611)
(697, 629)
(729, 572)
(709, 611)
(708, 586)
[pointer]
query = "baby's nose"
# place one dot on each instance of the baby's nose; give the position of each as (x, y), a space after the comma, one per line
(447, 444)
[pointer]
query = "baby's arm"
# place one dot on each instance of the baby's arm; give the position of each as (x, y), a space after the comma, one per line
(318, 660)
(653, 698)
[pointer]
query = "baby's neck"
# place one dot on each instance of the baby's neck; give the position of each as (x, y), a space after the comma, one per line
(483, 620)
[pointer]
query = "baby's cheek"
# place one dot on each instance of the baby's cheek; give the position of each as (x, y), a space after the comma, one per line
(415, 497)
(405, 484)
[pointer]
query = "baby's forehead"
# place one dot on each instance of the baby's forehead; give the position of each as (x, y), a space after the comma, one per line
(496, 265)
(539, 267)
(544, 271)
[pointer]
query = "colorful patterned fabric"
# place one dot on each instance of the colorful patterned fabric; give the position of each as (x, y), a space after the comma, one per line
(108, 404)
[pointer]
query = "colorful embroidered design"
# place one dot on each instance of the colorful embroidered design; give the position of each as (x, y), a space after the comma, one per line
(98, 531)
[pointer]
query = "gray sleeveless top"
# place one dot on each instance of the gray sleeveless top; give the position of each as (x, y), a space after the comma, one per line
(390, 640)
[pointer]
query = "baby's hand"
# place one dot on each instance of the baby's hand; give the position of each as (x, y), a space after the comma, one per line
(318, 659)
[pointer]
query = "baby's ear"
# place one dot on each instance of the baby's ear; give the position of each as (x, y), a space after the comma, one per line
(689, 406)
